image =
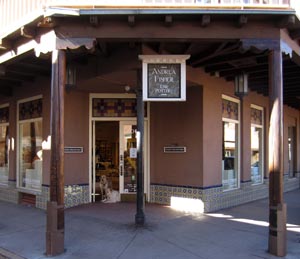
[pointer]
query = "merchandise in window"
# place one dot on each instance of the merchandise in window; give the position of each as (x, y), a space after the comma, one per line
(30, 145)
(230, 156)
(256, 145)
(230, 145)
(4, 151)
(4, 144)
(31, 155)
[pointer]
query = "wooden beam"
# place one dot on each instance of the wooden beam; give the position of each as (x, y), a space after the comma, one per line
(287, 21)
(55, 207)
(131, 20)
(277, 207)
(205, 20)
(27, 32)
(216, 54)
(6, 90)
(187, 30)
(242, 21)
(168, 20)
(103, 48)
(2, 70)
(6, 44)
(295, 34)
(47, 22)
(250, 69)
(94, 21)
(7, 81)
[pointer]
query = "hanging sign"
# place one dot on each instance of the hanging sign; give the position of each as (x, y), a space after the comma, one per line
(164, 77)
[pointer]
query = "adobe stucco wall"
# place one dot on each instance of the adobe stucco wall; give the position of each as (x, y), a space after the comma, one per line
(177, 123)
(77, 135)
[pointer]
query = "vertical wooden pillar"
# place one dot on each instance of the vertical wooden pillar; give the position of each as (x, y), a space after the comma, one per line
(277, 208)
(140, 203)
(55, 207)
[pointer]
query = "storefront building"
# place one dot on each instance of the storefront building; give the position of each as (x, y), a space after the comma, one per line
(212, 148)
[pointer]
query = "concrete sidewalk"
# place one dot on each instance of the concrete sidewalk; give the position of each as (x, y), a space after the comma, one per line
(108, 231)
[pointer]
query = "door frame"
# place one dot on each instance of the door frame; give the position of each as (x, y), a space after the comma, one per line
(147, 138)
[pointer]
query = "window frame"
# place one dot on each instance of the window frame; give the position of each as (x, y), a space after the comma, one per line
(8, 144)
(262, 142)
(18, 176)
(238, 122)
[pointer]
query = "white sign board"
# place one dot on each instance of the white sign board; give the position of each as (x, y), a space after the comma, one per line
(164, 77)
(133, 152)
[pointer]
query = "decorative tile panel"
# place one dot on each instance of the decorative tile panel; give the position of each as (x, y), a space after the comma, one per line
(230, 109)
(114, 107)
(256, 116)
(214, 198)
(31, 110)
(74, 196)
(4, 114)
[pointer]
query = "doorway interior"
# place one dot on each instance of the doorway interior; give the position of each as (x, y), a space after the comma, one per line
(114, 156)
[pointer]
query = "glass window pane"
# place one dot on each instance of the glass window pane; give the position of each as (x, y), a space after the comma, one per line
(30, 167)
(129, 158)
(256, 155)
(4, 145)
(230, 155)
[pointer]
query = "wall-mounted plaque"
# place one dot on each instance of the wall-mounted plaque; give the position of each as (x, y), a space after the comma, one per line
(164, 77)
(73, 150)
(174, 149)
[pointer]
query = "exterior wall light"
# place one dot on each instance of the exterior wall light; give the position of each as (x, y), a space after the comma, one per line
(70, 77)
(241, 85)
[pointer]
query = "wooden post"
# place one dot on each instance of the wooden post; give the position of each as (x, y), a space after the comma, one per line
(277, 208)
(55, 207)
(140, 203)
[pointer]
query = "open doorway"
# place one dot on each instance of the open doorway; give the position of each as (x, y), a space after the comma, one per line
(105, 159)
(114, 161)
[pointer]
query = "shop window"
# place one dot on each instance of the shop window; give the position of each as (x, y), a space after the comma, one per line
(292, 151)
(30, 145)
(4, 144)
(256, 144)
(230, 129)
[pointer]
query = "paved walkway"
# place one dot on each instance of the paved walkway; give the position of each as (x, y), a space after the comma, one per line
(107, 231)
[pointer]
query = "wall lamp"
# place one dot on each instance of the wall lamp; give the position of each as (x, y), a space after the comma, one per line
(241, 85)
(70, 77)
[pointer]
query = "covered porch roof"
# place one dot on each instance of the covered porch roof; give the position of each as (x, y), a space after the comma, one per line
(217, 42)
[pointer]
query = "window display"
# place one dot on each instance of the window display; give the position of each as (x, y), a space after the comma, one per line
(4, 144)
(230, 149)
(30, 145)
(256, 145)
(4, 148)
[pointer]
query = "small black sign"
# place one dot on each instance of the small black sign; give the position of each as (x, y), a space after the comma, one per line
(164, 81)
(73, 150)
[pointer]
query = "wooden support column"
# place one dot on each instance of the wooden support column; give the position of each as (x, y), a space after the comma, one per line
(140, 202)
(277, 208)
(55, 207)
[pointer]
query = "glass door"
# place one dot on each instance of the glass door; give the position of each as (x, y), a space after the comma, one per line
(128, 159)
(128, 156)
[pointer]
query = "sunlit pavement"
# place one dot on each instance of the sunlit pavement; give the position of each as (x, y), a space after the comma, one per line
(107, 231)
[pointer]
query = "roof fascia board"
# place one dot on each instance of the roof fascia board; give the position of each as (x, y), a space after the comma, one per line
(28, 46)
(129, 10)
(22, 22)
(136, 11)
(60, 11)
